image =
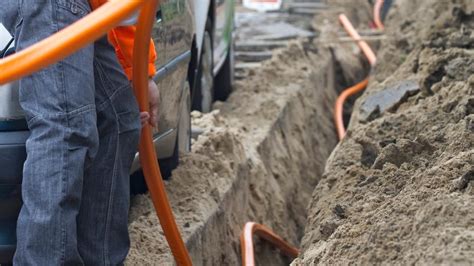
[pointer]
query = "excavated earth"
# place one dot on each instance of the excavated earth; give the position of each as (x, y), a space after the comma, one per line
(260, 156)
(399, 188)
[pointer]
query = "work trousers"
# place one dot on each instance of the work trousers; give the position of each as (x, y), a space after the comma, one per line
(84, 124)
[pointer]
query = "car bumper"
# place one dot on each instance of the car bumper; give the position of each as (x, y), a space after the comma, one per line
(12, 157)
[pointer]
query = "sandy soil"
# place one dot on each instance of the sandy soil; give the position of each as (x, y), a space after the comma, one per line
(399, 189)
(259, 158)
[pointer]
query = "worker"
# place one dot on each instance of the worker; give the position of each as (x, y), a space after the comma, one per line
(85, 124)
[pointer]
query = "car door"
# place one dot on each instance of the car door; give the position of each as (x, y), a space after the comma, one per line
(179, 29)
(158, 35)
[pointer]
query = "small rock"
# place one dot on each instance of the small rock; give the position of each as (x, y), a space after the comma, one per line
(470, 124)
(470, 106)
(463, 181)
(369, 153)
(339, 211)
(327, 229)
(388, 99)
(390, 154)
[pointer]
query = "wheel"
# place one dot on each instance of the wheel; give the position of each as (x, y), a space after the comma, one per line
(204, 92)
(183, 145)
(224, 80)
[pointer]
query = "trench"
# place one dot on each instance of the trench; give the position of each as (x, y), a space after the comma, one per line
(258, 159)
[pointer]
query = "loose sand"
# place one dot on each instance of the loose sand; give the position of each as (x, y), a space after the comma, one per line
(259, 158)
(399, 189)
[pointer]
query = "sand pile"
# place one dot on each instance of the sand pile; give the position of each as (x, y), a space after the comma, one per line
(400, 187)
(259, 158)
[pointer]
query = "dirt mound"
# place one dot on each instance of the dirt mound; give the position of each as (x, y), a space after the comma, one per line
(259, 158)
(400, 187)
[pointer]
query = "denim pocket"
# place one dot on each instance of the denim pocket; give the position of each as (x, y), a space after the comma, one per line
(75, 7)
(127, 110)
(69, 11)
(128, 121)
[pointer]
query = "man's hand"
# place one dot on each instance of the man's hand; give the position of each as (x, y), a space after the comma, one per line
(154, 102)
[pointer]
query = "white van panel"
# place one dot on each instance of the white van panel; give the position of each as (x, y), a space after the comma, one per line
(5, 37)
(10, 108)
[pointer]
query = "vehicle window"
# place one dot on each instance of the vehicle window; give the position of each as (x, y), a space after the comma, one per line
(172, 8)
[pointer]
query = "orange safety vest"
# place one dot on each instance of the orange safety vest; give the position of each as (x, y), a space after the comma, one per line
(123, 38)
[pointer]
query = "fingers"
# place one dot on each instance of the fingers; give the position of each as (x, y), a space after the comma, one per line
(144, 118)
(154, 115)
(154, 102)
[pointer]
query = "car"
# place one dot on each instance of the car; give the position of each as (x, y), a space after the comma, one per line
(215, 50)
(195, 63)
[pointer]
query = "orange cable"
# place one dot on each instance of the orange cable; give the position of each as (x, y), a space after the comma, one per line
(368, 52)
(148, 156)
(251, 228)
(339, 110)
(66, 41)
(246, 242)
(370, 55)
(377, 10)
(80, 34)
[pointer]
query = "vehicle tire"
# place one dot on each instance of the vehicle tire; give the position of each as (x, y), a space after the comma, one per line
(183, 144)
(224, 81)
(204, 90)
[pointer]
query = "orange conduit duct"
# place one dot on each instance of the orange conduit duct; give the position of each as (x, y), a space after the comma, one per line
(251, 228)
(370, 55)
(363, 45)
(377, 11)
(67, 41)
(246, 242)
(80, 34)
(148, 156)
(339, 110)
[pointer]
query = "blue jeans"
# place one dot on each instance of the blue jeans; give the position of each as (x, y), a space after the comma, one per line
(84, 124)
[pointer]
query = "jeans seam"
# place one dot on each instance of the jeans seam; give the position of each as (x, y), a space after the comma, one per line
(104, 78)
(112, 96)
(111, 197)
(20, 13)
(78, 111)
(60, 81)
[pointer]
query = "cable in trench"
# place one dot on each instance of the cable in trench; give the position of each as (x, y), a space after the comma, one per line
(370, 55)
(251, 228)
(95, 25)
